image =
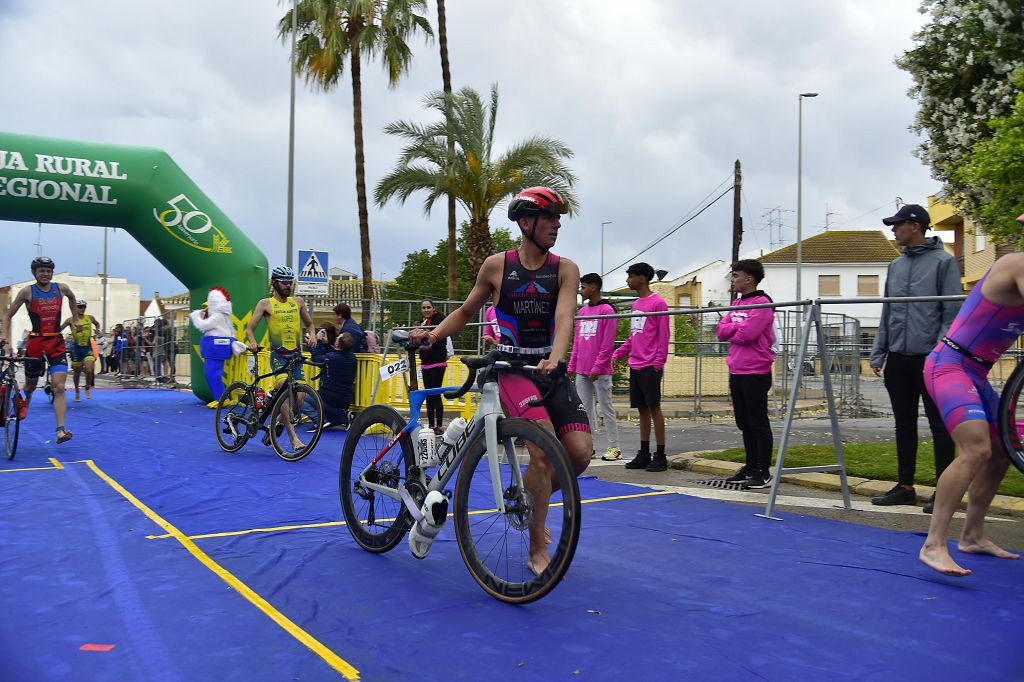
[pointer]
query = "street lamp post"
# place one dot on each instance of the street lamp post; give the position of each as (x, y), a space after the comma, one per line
(291, 144)
(799, 186)
(602, 246)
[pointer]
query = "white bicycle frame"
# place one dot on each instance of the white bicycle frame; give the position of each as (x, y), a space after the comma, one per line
(486, 417)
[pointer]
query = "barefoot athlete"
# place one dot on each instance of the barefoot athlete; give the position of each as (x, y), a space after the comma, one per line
(286, 315)
(956, 376)
(536, 303)
(45, 344)
(82, 355)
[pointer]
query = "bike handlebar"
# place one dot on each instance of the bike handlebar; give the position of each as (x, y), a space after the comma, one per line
(496, 359)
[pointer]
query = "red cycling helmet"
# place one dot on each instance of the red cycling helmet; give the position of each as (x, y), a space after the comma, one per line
(535, 200)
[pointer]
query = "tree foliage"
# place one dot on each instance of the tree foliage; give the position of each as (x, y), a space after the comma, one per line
(966, 68)
(996, 171)
(478, 176)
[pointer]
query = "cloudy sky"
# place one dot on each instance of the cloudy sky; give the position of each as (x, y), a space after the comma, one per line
(657, 98)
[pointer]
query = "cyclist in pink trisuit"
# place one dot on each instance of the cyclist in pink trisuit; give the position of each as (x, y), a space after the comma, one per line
(956, 375)
(535, 293)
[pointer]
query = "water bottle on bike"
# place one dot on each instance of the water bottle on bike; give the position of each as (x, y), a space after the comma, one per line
(432, 517)
(451, 436)
(427, 449)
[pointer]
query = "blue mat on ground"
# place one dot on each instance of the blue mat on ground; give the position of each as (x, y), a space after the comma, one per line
(662, 586)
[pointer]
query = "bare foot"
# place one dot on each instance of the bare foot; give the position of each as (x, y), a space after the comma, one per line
(938, 558)
(297, 445)
(539, 561)
(985, 546)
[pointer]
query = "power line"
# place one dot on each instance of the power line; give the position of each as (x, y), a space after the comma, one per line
(671, 231)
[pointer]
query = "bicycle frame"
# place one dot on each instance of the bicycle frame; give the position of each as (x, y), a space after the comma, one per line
(486, 417)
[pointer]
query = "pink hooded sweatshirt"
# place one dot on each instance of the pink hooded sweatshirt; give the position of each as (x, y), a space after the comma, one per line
(647, 345)
(594, 341)
(750, 334)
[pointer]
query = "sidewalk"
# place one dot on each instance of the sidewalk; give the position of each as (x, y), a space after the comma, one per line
(692, 461)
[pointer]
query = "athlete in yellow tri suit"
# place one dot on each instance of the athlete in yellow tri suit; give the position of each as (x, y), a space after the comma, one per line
(82, 353)
(286, 316)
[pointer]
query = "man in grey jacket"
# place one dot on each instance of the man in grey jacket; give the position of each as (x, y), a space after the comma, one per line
(907, 332)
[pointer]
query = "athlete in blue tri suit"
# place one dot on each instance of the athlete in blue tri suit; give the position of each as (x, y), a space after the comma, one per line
(956, 376)
(44, 301)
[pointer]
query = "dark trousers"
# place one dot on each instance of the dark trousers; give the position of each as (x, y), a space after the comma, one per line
(750, 405)
(432, 378)
(904, 379)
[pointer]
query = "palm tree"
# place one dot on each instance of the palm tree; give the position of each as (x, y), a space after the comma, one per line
(446, 80)
(476, 180)
(331, 31)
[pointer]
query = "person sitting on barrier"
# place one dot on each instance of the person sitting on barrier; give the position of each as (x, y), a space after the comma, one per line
(343, 315)
(956, 375)
(81, 351)
(906, 333)
(751, 338)
(286, 316)
(536, 301)
(44, 300)
(647, 348)
(337, 383)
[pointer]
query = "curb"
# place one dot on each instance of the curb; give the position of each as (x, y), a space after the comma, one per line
(692, 461)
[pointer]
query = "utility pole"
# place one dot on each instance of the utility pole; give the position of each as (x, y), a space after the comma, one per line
(737, 219)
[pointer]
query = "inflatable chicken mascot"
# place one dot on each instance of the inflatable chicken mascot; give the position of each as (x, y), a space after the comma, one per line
(218, 343)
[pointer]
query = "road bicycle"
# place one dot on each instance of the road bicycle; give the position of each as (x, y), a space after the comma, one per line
(292, 410)
(384, 482)
(1011, 416)
(10, 403)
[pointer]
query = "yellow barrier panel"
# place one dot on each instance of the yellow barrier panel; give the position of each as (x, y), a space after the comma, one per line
(394, 391)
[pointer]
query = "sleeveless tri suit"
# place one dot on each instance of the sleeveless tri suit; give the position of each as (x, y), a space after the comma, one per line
(956, 372)
(284, 329)
(525, 315)
(45, 343)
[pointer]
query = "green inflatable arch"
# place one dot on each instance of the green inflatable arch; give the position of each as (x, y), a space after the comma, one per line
(144, 192)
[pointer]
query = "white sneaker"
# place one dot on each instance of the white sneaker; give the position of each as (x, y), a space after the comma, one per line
(611, 454)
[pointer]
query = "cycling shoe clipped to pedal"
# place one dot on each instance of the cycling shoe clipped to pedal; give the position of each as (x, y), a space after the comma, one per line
(431, 519)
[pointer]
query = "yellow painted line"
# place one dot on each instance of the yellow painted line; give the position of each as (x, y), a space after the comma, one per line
(259, 602)
(271, 529)
(325, 524)
(6, 471)
(56, 463)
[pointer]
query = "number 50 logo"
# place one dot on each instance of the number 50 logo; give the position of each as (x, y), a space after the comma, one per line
(190, 226)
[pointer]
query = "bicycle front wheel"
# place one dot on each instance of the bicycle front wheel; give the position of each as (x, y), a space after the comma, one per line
(497, 547)
(376, 520)
(1011, 417)
(297, 422)
(235, 420)
(11, 422)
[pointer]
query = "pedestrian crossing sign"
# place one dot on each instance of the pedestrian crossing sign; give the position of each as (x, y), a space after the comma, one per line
(312, 275)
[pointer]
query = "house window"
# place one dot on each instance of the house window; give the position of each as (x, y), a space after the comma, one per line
(867, 285)
(979, 240)
(828, 285)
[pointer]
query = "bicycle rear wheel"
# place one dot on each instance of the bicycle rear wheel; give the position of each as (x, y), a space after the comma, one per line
(300, 408)
(496, 546)
(1011, 417)
(377, 522)
(235, 421)
(12, 425)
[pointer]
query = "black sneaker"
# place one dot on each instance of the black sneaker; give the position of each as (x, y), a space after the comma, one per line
(658, 463)
(739, 476)
(898, 495)
(756, 481)
(929, 506)
(641, 461)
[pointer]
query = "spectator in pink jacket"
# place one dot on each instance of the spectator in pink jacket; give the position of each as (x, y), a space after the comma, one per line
(647, 348)
(490, 327)
(751, 338)
(591, 360)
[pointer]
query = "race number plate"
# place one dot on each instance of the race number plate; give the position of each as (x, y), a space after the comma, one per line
(390, 371)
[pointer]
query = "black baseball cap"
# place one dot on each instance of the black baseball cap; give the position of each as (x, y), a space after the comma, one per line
(910, 212)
